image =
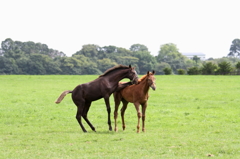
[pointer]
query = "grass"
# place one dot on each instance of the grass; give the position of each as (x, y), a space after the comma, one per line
(187, 117)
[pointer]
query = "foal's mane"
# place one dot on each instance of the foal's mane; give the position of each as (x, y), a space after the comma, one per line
(113, 69)
(143, 77)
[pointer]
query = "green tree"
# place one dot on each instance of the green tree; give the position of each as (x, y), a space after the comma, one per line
(160, 66)
(194, 71)
(126, 60)
(87, 65)
(8, 66)
(224, 68)
(169, 54)
(238, 66)
(235, 48)
(167, 71)
(89, 50)
(30, 58)
(7, 44)
(146, 61)
(181, 71)
(105, 64)
(38, 64)
(209, 68)
(70, 66)
(109, 49)
(113, 52)
(196, 59)
(23, 64)
(138, 47)
(124, 52)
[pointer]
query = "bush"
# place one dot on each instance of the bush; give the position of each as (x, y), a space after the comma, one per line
(167, 71)
(209, 68)
(238, 65)
(224, 68)
(194, 71)
(181, 71)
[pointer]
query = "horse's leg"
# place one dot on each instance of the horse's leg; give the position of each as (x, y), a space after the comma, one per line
(124, 107)
(139, 115)
(84, 115)
(117, 100)
(106, 99)
(78, 117)
(144, 107)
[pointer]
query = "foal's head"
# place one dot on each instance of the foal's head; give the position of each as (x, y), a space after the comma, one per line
(151, 79)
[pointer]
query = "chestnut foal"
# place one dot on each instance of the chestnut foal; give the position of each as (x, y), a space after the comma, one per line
(136, 94)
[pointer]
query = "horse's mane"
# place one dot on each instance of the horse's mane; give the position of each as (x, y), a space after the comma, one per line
(143, 77)
(113, 69)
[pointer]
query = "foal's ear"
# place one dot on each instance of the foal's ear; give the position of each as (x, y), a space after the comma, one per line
(153, 72)
(147, 72)
(130, 66)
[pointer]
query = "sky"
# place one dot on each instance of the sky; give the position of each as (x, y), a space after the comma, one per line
(202, 26)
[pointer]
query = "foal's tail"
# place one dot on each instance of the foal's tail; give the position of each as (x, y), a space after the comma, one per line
(60, 98)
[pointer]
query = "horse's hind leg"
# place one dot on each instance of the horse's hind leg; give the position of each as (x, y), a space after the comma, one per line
(124, 107)
(84, 115)
(78, 117)
(117, 100)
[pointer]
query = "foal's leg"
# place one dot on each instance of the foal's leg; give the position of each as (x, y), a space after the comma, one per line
(139, 115)
(117, 100)
(124, 107)
(84, 115)
(78, 116)
(144, 107)
(106, 99)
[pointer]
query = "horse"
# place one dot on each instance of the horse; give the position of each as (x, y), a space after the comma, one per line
(102, 87)
(136, 94)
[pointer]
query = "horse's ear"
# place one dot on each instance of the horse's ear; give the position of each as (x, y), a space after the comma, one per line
(153, 72)
(130, 66)
(147, 72)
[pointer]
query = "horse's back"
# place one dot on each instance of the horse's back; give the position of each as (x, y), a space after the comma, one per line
(87, 92)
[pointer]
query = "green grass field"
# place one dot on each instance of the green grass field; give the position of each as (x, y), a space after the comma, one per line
(187, 117)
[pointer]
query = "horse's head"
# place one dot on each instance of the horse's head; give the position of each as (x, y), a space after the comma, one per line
(132, 75)
(151, 80)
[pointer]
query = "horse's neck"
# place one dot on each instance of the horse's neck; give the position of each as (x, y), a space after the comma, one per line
(144, 86)
(116, 76)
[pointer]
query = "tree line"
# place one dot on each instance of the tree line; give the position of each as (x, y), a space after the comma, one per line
(31, 58)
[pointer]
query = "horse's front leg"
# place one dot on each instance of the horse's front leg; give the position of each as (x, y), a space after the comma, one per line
(106, 99)
(144, 107)
(138, 115)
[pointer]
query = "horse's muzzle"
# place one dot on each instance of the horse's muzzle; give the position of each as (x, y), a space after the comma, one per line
(135, 80)
(153, 88)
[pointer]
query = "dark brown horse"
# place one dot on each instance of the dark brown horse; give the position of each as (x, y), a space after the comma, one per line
(102, 87)
(136, 94)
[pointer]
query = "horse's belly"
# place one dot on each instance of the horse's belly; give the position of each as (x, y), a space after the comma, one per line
(93, 97)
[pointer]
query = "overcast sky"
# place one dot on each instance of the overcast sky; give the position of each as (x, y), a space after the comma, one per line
(206, 26)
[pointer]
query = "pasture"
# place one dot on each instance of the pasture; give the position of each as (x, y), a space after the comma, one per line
(186, 117)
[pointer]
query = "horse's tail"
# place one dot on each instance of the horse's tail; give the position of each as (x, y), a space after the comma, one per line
(60, 98)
